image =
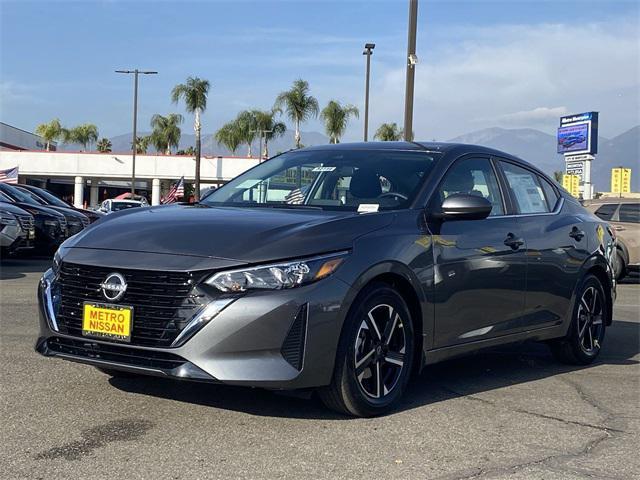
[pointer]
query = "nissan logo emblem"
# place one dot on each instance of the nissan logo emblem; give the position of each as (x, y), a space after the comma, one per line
(113, 287)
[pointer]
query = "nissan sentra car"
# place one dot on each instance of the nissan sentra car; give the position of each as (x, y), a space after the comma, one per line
(337, 269)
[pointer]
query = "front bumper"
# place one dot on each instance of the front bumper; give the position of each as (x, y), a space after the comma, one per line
(285, 339)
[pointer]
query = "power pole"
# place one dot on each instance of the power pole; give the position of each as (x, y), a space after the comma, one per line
(412, 59)
(134, 144)
(368, 51)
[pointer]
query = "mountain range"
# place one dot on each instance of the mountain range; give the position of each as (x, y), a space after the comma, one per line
(536, 147)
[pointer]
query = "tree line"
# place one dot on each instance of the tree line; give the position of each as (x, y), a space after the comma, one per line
(297, 104)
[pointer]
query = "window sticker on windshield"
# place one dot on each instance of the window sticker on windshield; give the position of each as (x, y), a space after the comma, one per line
(252, 182)
(323, 169)
(368, 207)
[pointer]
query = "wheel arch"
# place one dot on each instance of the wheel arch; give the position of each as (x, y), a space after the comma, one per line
(599, 267)
(402, 279)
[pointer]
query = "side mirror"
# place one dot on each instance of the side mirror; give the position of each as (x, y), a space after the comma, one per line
(462, 206)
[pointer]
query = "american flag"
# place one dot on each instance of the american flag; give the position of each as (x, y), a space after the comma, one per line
(177, 191)
(10, 175)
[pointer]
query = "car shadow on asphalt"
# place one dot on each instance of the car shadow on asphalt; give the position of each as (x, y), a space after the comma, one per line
(481, 372)
(13, 268)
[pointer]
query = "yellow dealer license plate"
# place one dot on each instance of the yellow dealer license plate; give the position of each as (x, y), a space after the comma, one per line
(107, 321)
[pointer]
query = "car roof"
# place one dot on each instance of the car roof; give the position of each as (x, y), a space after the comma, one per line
(124, 200)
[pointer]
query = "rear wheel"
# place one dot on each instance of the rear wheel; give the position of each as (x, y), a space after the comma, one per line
(374, 355)
(584, 340)
(620, 267)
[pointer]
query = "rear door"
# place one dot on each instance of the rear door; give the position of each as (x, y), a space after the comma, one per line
(556, 245)
(480, 265)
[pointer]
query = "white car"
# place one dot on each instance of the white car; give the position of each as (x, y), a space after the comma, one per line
(114, 205)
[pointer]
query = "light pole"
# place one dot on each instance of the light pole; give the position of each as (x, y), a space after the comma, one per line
(412, 59)
(368, 51)
(134, 144)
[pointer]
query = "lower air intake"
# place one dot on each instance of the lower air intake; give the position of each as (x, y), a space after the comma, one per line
(293, 347)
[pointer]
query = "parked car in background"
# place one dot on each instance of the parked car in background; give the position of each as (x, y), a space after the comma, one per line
(17, 229)
(76, 221)
(112, 205)
(50, 199)
(51, 226)
(339, 268)
(624, 215)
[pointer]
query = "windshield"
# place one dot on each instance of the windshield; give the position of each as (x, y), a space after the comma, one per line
(365, 180)
(49, 198)
(20, 196)
(115, 206)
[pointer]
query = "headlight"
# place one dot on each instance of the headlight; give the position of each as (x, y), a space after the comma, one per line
(8, 219)
(277, 276)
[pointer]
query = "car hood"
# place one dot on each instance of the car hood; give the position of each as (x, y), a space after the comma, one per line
(38, 209)
(11, 208)
(243, 235)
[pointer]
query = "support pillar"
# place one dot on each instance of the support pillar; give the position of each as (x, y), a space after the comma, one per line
(94, 192)
(78, 192)
(155, 191)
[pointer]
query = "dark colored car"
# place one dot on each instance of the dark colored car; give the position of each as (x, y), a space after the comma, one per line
(76, 221)
(341, 269)
(51, 226)
(17, 229)
(50, 199)
(571, 140)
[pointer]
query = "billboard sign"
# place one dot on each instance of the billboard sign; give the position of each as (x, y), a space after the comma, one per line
(620, 180)
(578, 134)
(575, 168)
(571, 183)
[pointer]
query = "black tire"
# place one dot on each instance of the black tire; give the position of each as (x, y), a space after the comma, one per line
(620, 267)
(384, 363)
(117, 373)
(583, 342)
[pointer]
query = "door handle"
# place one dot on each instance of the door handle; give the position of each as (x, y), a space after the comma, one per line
(513, 241)
(576, 233)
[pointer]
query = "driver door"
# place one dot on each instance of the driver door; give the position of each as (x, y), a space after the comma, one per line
(479, 265)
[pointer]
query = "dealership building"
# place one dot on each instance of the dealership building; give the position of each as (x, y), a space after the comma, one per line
(87, 178)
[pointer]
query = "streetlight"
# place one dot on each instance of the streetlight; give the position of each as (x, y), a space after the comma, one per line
(412, 59)
(368, 51)
(134, 145)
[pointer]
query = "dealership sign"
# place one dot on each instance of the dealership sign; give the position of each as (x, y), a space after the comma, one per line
(578, 134)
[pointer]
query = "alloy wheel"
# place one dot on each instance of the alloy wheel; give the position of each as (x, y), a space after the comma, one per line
(590, 320)
(380, 351)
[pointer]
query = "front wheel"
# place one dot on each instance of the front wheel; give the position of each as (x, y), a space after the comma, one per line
(583, 342)
(374, 356)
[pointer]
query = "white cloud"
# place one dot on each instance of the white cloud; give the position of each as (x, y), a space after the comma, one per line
(507, 73)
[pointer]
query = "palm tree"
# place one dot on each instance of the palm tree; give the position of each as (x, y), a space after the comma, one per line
(189, 151)
(194, 92)
(298, 104)
(335, 118)
(247, 126)
(104, 145)
(388, 132)
(50, 132)
(557, 175)
(229, 136)
(84, 134)
(267, 126)
(142, 143)
(166, 132)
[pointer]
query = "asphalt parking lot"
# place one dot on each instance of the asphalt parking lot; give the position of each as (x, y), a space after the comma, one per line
(507, 413)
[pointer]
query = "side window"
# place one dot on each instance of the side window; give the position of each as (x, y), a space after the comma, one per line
(606, 211)
(549, 193)
(525, 189)
(629, 212)
(473, 176)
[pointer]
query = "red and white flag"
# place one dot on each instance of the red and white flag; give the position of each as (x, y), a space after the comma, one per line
(177, 191)
(10, 175)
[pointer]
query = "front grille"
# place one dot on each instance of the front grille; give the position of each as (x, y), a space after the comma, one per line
(85, 222)
(63, 223)
(293, 346)
(115, 353)
(26, 221)
(75, 226)
(163, 303)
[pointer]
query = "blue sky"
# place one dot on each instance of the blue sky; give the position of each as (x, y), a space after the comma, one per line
(511, 63)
